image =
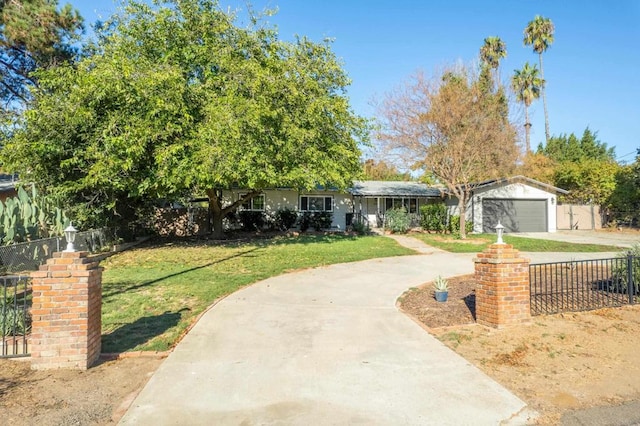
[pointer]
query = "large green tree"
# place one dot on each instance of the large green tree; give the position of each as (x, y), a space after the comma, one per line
(624, 202)
(451, 128)
(585, 166)
(526, 83)
(179, 99)
(539, 35)
(33, 34)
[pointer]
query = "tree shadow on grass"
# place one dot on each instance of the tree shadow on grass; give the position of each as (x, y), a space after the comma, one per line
(128, 336)
(121, 287)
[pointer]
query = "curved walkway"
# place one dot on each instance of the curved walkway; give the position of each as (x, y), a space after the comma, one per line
(324, 346)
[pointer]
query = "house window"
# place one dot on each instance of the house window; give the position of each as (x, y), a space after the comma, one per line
(254, 204)
(410, 204)
(314, 203)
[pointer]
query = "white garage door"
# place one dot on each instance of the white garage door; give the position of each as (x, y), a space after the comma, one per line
(514, 215)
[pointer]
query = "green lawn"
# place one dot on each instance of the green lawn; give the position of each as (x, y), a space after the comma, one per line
(478, 242)
(151, 295)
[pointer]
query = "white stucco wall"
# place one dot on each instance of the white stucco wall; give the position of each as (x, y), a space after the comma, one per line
(278, 199)
(511, 190)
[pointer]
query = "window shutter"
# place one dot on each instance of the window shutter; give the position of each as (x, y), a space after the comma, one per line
(304, 204)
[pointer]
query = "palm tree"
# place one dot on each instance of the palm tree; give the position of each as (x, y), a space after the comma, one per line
(539, 35)
(526, 83)
(491, 52)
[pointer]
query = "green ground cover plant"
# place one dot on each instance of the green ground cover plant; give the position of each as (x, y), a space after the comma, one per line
(477, 242)
(152, 294)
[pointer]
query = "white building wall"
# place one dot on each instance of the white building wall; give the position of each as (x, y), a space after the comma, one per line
(511, 190)
(278, 199)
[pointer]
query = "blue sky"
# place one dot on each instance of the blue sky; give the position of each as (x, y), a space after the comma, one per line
(591, 69)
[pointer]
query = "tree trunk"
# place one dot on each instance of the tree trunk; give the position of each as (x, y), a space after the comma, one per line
(527, 129)
(544, 102)
(217, 214)
(462, 203)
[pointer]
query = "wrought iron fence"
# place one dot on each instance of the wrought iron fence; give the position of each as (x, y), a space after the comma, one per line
(15, 319)
(30, 255)
(583, 285)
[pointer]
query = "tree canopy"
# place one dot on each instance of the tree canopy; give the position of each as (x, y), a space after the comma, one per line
(381, 170)
(569, 148)
(451, 127)
(179, 99)
(586, 166)
(33, 34)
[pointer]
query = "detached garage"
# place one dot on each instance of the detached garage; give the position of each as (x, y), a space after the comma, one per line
(520, 204)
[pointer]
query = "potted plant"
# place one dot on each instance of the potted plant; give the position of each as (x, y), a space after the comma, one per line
(441, 287)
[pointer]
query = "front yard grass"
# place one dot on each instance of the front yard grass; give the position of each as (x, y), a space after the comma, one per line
(152, 294)
(477, 242)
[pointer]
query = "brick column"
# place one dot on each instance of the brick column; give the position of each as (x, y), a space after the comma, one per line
(502, 295)
(66, 312)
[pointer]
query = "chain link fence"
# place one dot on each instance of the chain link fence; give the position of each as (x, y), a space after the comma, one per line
(30, 255)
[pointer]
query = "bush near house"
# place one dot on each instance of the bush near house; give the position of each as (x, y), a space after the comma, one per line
(318, 221)
(252, 220)
(433, 217)
(285, 219)
(397, 221)
(454, 225)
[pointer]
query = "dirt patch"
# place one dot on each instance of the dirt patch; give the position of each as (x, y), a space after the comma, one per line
(67, 397)
(556, 363)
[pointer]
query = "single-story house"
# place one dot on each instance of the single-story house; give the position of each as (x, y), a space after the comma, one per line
(521, 204)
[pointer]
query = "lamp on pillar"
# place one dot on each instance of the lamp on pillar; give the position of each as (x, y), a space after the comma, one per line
(499, 231)
(70, 235)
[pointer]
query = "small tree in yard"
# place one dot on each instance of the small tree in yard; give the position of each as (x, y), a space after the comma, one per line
(176, 100)
(451, 127)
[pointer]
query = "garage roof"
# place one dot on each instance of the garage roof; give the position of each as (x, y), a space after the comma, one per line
(374, 188)
(520, 179)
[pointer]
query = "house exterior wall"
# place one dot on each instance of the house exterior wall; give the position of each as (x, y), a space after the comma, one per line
(511, 190)
(278, 199)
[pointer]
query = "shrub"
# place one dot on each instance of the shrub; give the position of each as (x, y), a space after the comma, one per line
(620, 272)
(397, 221)
(433, 217)
(317, 220)
(14, 321)
(321, 220)
(454, 225)
(360, 226)
(305, 221)
(285, 219)
(252, 221)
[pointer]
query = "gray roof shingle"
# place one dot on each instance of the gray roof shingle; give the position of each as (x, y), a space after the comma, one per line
(374, 188)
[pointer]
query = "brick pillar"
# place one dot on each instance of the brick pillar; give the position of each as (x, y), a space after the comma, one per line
(66, 312)
(502, 295)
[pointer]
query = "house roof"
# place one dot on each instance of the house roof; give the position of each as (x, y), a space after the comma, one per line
(375, 188)
(520, 179)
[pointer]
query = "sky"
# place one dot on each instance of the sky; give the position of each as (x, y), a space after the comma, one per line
(591, 69)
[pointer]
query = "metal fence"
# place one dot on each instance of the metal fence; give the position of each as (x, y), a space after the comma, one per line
(583, 285)
(30, 255)
(15, 320)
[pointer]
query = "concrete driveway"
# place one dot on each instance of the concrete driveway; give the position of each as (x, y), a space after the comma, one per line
(324, 346)
(623, 239)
